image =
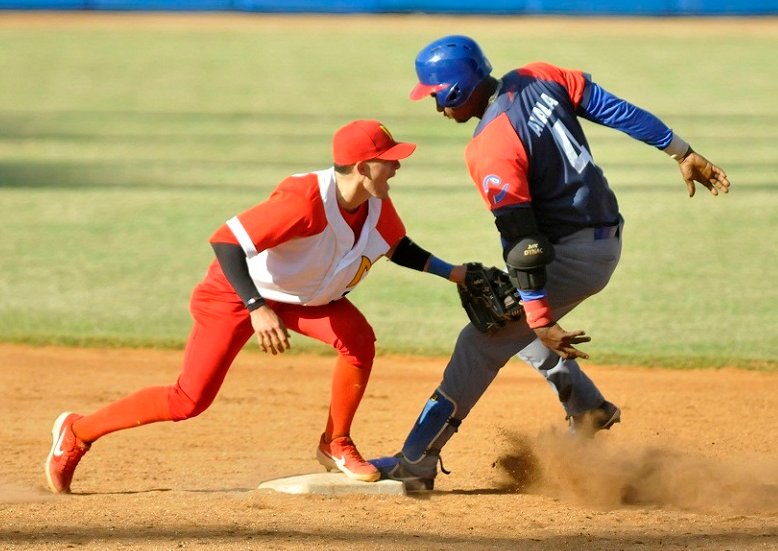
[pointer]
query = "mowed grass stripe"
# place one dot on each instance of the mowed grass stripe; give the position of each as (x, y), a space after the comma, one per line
(121, 150)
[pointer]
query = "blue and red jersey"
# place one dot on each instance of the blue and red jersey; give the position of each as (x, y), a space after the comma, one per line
(529, 149)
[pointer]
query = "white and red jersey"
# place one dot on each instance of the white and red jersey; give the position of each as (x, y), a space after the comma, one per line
(299, 245)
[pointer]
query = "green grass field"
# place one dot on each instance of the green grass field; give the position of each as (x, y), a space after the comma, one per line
(122, 147)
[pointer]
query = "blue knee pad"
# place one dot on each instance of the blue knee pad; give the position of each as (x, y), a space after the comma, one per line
(433, 428)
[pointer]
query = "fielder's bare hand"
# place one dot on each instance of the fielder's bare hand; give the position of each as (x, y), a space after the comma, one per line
(271, 332)
(560, 341)
(696, 168)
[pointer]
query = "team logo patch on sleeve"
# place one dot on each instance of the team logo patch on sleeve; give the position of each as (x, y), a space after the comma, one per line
(494, 188)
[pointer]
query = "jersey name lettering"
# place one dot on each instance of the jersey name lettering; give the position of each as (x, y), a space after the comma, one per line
(541, 111)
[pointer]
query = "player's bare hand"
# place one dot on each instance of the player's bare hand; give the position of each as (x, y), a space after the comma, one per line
(696, 168)
(271, 332)
(560, 341)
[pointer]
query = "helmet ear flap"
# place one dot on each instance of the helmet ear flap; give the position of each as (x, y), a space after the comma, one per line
(449, 97)
(453, 96)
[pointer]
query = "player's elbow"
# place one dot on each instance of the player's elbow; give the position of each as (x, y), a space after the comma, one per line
(527, 260)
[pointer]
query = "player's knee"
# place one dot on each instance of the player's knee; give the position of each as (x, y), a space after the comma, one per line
(363, 358)
(360, 349)
(184, 407)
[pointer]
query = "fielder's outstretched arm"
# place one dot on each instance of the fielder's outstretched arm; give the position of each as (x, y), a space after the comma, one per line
(408, 254)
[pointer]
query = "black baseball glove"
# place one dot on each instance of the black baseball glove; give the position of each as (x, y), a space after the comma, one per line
(489, 297)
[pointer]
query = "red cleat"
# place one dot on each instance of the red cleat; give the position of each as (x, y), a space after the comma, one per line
(342, 454)
(66, 451)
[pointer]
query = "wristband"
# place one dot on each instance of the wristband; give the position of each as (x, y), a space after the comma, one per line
(538, 313)
(439, 267)
(254, 303)
(533, 294)
(678, 149)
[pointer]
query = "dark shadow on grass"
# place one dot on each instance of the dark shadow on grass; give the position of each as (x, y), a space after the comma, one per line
(149, 129)
(119, 176)
(134, 176)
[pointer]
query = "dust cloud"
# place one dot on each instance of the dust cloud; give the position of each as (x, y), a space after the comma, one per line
(596, 473)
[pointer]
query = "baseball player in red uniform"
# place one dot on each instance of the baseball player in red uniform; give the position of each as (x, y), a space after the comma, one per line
(286, 263)
(559, 225)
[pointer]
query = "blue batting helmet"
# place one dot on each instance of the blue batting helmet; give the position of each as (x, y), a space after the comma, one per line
(450, 67)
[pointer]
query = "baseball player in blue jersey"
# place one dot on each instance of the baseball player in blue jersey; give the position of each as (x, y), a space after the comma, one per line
(558, 222)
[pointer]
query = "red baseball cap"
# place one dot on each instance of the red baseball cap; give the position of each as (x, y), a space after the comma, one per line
(363, 140)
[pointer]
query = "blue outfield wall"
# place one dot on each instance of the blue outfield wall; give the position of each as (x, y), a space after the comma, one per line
(515, 7)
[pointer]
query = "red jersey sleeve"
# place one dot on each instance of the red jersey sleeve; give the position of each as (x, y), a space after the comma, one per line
(293, 209)
(573, 81)
(389, 225)
(497, 161)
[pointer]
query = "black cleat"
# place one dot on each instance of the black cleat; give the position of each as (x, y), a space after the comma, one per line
(397, 467)
(589, 423)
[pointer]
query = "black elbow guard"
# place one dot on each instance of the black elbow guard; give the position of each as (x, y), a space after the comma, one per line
(527, 261)
(410, 255)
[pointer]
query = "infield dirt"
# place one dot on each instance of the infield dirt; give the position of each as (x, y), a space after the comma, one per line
(693, 465)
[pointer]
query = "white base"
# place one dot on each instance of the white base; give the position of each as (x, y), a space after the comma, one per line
(331, 484)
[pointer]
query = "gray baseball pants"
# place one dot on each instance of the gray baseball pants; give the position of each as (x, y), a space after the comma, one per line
(582, 267)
